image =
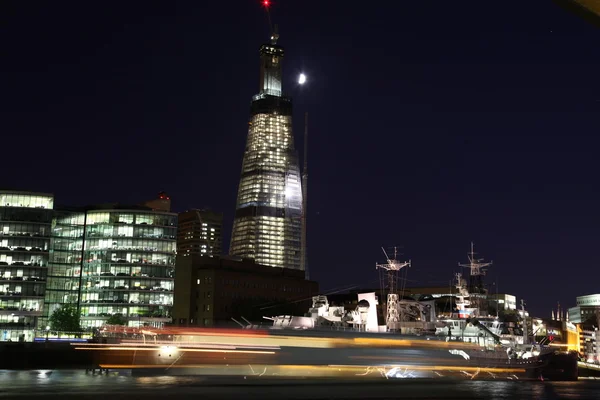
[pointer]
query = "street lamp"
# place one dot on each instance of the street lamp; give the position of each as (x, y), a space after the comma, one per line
(302, 79)
(47, 331)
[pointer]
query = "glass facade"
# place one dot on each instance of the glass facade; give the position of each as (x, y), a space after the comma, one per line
(25, 227)
(267, 225)
(64, 267)
(113, 262)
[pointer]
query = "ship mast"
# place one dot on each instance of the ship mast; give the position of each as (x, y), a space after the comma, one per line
(390, 276)
(477, 271)
(525, 335)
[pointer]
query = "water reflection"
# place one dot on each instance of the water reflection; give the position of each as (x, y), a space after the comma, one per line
(77, 383)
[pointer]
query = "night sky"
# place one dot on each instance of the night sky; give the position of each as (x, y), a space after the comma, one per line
(432, 123)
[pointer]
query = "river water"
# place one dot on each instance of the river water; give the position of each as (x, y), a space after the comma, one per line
(76, 384)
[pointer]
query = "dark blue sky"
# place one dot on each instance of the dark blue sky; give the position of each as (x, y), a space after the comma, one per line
(431, 124)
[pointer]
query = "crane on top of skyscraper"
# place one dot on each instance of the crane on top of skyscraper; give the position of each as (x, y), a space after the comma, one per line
(272, 30)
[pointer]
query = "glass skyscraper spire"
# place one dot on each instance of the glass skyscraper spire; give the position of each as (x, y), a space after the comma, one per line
(267, 225)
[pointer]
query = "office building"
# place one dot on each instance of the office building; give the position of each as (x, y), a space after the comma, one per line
(113, 259)
(587, 310)
(502, 302)
(25, 226)
(267, 224)
(589, 344)
(212, 291)
(199, 232)
(586, 316)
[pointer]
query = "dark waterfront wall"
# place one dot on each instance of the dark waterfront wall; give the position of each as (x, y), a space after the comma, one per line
(43, 356)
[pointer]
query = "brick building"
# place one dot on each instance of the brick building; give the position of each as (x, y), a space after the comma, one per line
(212, 291)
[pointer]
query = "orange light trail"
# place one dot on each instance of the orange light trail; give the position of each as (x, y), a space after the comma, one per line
(316, 369)
(182, 346)
(115, 348)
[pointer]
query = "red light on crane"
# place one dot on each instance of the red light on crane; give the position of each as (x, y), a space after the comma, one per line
(266, 3)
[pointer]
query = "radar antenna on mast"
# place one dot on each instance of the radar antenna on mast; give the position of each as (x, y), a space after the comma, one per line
(389, 279)
(477, 269)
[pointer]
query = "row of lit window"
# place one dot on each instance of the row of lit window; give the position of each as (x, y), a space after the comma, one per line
(263, 123)
(263, 219)
(266, 158)
(290, 251)
(261, 134)
(268, 142)
(125, 310)
(138, 256)
(257, 193)
(266, 249)
(264, 230)
(263, 159)
(265, 237)
(268, 173)
(254, 220)
(127, 245)
(130, 231)
(23, 245)
(24, 229)
(268, 236)
(248, 198)
(253, 183)
(26, 200)
(260, 191)
(116, 217)
(262, 244)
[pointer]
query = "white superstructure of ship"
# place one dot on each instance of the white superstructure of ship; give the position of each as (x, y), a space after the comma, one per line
(411, 317)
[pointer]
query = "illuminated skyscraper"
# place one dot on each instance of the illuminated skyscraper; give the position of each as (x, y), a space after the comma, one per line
(25, 227)
(267, 225)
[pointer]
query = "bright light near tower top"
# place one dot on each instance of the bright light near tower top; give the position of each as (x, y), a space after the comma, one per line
(266, 3)
(302, 79)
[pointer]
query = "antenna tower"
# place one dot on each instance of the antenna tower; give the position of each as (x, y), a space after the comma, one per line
(389, 279)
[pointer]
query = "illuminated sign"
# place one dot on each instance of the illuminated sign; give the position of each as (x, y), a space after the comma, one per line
(590, 300)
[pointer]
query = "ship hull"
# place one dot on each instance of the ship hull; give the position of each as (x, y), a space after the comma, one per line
(327, 354)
